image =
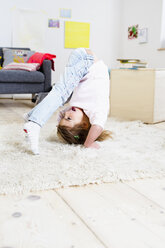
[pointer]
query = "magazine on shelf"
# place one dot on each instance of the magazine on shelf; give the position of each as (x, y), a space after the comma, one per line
(131, 63)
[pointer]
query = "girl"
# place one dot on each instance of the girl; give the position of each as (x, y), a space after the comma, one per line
(85, 82)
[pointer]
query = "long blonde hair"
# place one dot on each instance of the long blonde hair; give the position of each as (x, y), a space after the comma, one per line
(78, 134)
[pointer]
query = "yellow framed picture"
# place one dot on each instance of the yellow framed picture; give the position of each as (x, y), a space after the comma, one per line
(77, 34)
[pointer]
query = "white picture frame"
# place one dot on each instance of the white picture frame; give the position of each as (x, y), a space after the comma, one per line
(29, 29)
(143, 35)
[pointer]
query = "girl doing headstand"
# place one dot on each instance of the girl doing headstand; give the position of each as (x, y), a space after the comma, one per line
(85, 84)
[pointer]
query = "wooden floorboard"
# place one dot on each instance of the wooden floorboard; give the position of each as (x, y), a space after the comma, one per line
(135, 205)
(110, 219)
(153, 189)
(42, 220)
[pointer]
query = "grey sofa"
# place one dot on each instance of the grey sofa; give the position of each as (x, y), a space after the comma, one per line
(22, 82)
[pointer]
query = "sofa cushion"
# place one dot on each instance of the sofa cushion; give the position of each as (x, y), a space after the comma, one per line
(16, 55)
(1, 52)
(1, 60)
(20, 76)
(22, 66)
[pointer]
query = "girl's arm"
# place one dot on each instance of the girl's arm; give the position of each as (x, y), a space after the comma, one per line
(94, 133)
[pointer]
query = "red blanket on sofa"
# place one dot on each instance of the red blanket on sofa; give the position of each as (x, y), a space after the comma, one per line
(39, 58)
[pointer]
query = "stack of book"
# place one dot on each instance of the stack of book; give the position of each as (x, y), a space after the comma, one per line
(131, 63)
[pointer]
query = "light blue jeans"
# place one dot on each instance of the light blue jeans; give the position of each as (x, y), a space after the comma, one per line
(77, 67)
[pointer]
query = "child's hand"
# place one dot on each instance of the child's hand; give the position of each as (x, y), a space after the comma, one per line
(94, 145)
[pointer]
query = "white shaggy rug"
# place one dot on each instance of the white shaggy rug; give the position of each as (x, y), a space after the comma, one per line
(136, 151)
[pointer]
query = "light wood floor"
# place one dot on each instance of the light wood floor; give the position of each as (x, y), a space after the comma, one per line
(114, 215)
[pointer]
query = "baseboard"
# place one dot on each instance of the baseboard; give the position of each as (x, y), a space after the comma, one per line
(6, 96)
(16, 96)
(22, 96)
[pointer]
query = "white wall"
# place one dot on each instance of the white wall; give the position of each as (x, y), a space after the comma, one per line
(103, 16)
(109, 21)
(146, 13)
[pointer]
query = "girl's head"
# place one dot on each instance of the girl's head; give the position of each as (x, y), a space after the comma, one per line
(74, 116)
(74, 127)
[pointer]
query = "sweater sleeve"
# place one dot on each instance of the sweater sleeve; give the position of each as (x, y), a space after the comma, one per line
(98, 118)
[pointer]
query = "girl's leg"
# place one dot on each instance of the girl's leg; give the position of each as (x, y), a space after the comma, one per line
(78, 65)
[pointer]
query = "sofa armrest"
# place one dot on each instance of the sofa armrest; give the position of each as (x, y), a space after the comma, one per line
(46, 70)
